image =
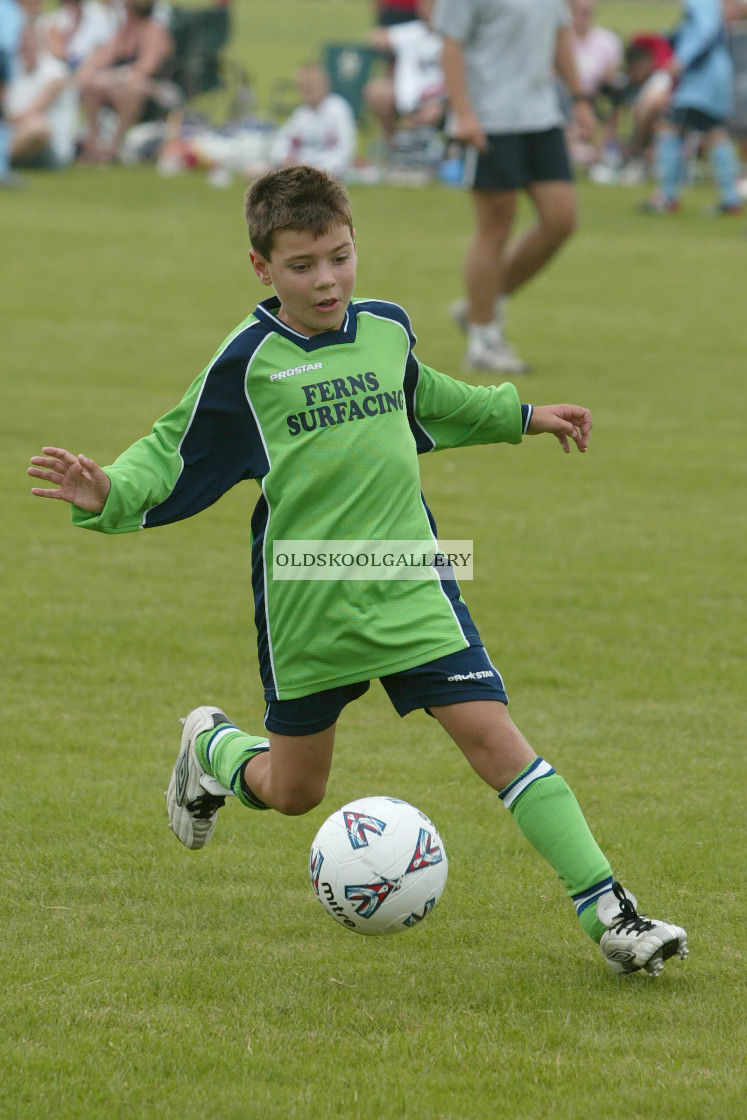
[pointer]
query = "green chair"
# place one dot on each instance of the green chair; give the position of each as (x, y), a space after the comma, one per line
(349, 66)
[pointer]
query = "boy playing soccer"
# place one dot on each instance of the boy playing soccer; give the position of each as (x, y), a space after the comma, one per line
(319, 398)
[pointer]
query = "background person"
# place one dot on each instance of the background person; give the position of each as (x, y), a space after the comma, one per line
(389, 12)
(41, 106)
(702, 101)
(598, 53)
(75, 29)
(499, 58)
(319, 133)
(11, 25)
(122, 74)
(413, 93)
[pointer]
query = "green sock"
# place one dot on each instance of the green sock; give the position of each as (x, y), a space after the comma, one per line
(224, 752)
(546, 811)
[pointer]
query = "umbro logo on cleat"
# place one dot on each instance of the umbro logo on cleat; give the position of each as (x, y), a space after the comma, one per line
(620, 955)
(181, 777)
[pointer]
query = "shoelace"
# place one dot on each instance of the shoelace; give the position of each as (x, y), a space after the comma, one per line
(629, 918)
(205, 805)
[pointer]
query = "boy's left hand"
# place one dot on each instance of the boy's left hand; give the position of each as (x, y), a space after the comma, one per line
(564, 421)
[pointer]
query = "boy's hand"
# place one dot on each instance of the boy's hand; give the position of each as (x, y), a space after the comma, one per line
(81, 481)
(564, 421)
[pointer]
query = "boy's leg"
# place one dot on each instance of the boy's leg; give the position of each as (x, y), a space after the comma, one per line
(545, 810)
(548, 814)
(292, 776)
(285, 769)
(206, 772)
(216, 759)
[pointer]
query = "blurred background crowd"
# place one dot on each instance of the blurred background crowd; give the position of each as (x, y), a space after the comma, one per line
(100, 81)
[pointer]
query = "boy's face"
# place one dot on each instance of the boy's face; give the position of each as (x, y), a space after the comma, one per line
(313, 277)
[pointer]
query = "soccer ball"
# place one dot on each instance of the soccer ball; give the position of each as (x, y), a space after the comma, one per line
(378, 865)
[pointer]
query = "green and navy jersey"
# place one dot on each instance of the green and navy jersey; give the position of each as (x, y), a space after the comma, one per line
(330, 428)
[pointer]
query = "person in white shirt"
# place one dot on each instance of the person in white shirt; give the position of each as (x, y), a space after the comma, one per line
(599, 57)
(321, 132)
(76, 28)
(414, 92)
(40, 106)
(598, 51)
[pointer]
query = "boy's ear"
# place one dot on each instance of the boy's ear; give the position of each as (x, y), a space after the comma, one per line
(259, 264)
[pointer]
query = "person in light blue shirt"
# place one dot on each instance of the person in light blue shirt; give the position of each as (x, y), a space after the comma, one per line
(702, 101)
(11, 24)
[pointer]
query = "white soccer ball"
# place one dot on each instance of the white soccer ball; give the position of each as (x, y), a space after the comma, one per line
(378, 865)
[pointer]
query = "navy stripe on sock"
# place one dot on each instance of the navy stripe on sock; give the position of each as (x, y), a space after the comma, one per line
(539, 769)
(586, 898)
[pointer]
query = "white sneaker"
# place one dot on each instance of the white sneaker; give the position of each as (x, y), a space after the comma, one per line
(459, 310)
(633, 173)
(194, 796)
(495, 356)
(604, 175)
(631, 941)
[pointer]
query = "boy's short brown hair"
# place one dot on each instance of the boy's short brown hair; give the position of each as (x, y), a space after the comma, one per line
(297, 198)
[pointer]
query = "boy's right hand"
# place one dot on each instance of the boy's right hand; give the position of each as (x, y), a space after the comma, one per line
(80, 481)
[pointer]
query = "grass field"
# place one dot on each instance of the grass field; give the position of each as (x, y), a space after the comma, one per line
(140, 981)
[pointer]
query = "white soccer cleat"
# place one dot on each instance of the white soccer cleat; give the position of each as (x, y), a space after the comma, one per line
(494, 357)
(631, 941)
(459, 312)
(194, 796)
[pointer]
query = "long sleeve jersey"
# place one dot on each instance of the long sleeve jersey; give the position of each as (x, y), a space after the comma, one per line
(330, 427)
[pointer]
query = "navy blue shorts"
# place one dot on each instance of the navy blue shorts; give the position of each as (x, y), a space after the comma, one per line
(454, 679)
(514, 160)
(693, 120)
(5, 70)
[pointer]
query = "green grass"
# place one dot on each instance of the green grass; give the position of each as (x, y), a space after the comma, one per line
(144, 982)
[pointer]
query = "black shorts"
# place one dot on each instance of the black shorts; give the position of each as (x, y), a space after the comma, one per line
(5, 68)
(514, 160)
(693, 120)
(453, 679)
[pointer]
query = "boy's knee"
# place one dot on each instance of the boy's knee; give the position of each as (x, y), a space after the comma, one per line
(296, 802)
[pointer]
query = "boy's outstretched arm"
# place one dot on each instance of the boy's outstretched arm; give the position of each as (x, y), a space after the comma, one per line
(80, 481)
(564, 421)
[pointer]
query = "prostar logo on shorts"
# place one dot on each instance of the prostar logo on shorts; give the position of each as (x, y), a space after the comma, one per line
(478, 676)
(308, 368)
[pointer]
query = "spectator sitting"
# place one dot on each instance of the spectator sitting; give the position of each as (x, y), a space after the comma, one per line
(77, 28)
(40, 107)
(598, 53)
(396, 11)
(11, 26)
(647, 59)
(321, 132)
(414, 94)
(124, 74)
(640, 91)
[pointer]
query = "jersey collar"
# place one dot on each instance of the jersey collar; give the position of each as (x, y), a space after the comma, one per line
(266, 313)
